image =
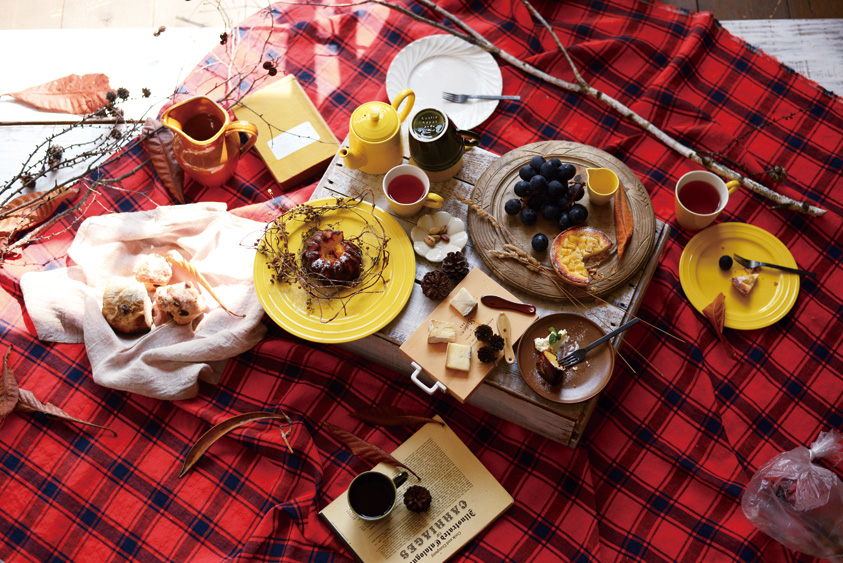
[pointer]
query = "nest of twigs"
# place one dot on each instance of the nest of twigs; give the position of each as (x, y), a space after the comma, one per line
(285, 236)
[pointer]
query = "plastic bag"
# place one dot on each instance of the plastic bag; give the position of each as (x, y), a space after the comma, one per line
(798, 503)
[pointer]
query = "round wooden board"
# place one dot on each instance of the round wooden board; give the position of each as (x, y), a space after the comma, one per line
(496, 186)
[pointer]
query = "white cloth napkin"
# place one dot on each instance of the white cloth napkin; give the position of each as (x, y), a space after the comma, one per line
(65, 304)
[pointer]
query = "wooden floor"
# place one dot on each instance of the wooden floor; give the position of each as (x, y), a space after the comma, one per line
(53, 14)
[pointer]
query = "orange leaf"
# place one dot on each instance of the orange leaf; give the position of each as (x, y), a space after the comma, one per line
(207, 439)
(364, 449)
(716, 314)
(158, 142)
(623, 221)
(8, 388)
(28, 210)
(72, 94)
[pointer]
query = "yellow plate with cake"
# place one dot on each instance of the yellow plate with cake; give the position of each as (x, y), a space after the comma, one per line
(364, 313)
(774, 292)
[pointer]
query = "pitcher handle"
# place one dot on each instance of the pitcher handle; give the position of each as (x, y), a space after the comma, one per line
(408, 107)
(249, 129)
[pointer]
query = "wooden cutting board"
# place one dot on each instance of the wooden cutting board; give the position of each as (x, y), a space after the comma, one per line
(431, 357)
(495, 187)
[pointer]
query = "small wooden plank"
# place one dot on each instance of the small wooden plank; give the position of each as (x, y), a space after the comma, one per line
(31, 14)
(107, 14)
(757, 9)
(431, 357)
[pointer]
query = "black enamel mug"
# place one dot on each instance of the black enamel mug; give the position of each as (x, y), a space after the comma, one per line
(437, 146)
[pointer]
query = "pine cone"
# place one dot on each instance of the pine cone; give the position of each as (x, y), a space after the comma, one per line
(486, 354)
(496, 342)
(455, 265)
(483, 333)
(436, 285)
(417, 498)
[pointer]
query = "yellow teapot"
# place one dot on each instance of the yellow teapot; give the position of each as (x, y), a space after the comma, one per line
(374, 135)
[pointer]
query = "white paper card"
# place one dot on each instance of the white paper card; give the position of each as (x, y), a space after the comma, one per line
(294, 139)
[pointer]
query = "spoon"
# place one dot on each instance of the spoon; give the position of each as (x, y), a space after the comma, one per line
(506, 331)
(498, 302)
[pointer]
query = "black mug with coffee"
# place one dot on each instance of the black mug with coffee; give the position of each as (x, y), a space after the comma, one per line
(372, 494)
(437, 146)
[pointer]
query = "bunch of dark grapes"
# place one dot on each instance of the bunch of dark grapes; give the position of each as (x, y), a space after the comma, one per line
(546, 190)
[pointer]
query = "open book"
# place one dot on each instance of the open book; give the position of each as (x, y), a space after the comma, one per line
(466, 499)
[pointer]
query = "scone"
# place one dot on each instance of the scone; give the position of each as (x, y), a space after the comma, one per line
(126, 305)
(744, 283)
(153, 271)
(183, 301)
(572, 247)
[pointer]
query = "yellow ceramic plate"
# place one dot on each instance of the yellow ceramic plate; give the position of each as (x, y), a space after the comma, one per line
(702, 279)
(365, 313)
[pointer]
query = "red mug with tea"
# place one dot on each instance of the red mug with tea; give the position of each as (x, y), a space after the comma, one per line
(407, 188)
(700, 197)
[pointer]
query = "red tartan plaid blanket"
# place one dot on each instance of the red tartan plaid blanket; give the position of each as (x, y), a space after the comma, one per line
(670, 448)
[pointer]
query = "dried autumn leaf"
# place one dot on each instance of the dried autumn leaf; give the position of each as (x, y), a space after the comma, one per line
(72, 94)
(29, 210)
(218, 431)
(158, 141)
(715, 312)
(8, 388)
(27, 402)
(364, 449)
(623, 221)
(387, 415)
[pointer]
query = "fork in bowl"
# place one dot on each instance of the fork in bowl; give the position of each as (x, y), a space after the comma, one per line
(462, 98)
(752, 264)
(577, 356)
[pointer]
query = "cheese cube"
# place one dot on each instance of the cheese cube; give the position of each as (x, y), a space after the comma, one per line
(441, 331)
(463, 302)
(458, 356)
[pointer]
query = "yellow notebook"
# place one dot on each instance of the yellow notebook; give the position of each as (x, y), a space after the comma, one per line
(293, 139)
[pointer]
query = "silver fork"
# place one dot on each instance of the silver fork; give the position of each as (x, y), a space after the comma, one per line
(577, 356)
(462, 98)
(752, 264)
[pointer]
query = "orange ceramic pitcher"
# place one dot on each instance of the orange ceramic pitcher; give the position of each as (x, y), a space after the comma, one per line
(206, 141)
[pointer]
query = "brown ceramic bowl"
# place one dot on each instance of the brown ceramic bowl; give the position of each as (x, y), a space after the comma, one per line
(590, 376)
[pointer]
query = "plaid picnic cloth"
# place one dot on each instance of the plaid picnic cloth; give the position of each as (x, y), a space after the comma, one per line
(666, 456)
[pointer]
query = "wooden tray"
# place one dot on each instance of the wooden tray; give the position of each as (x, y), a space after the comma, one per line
(495, 186)
(431, 357)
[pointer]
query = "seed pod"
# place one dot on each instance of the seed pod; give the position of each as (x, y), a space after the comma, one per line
(438, 230)
(445, 238)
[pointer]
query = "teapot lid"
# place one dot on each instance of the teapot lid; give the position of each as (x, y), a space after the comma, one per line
(375, 121)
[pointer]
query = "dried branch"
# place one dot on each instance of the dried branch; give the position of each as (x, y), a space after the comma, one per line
(582, 87)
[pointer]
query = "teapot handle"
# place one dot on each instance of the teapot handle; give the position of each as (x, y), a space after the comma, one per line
(408, 107)
(249, 129)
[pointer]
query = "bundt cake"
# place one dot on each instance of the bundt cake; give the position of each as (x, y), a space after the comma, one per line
(330, 259)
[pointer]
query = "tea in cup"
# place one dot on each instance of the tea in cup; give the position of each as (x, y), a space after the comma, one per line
(437, 146)
(700, 197)
(372, 494)
(407, 188)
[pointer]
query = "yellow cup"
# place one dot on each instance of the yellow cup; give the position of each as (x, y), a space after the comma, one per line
(407, 188)
(602, 184)
(700, 197)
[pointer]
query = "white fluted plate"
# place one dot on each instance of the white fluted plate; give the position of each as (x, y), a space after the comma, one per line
(440, 63)
(457, 236)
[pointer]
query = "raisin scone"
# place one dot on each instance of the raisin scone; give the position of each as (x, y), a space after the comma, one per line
(182, 301)
(126, 305)
(153, 271)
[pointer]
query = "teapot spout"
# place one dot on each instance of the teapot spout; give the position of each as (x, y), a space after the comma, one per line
(353, 160)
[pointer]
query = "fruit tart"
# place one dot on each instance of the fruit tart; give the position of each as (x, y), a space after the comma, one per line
(571, 249)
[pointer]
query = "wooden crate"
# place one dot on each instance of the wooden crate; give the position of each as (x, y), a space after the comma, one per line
(504, 393)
